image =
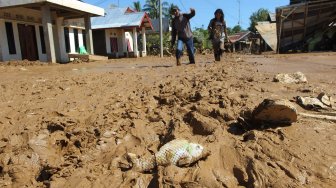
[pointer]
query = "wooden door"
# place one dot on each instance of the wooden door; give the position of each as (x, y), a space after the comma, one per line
(114, 44)
(28, 44)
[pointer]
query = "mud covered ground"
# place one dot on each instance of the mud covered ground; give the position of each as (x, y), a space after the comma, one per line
(70, 125)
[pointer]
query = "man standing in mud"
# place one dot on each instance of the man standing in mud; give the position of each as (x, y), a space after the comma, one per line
(181, 28)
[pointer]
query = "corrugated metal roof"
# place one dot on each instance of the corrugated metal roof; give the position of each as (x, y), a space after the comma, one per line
(272, 17)
(69, 4)
(117, 18)
(238, 36)
(267, 31)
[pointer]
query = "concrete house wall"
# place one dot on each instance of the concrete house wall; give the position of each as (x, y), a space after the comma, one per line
(51, 16)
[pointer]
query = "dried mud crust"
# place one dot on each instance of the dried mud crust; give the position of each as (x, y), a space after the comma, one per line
(66, 128)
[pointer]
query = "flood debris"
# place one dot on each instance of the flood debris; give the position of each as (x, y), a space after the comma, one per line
(328, 117)
(269, 112)
(310, 103)
(322, 101)
(326, 100)
(297, 77)
(177, 152)
(275, 112)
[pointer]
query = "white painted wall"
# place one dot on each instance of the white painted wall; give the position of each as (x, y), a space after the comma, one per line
(107, 39)
(4, 43)
(42, 57)
(128, 36)
(72, 40)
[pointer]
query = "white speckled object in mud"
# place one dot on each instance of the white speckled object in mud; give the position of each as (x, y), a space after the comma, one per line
(177, 152)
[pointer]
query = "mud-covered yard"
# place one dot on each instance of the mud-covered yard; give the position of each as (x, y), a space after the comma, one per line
(71, 125)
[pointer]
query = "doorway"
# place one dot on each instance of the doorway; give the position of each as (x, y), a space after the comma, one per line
(28, 44)
(114, 44)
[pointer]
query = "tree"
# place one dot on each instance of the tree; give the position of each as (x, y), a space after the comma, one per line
(137, 6)
(152, 7)
(170, 10)
(201, 38)
(259, 16)
(237, 29)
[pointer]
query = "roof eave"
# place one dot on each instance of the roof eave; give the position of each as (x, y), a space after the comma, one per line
(75, 5)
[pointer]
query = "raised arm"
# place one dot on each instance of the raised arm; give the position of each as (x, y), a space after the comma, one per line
(191, 14)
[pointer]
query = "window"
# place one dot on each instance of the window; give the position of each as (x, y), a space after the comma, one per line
(43, 46)
(67, 40)
(10, 38)
(76, 40)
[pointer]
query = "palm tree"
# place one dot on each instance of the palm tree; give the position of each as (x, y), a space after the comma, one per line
(170, 10)
(137, 6)
(152, 7)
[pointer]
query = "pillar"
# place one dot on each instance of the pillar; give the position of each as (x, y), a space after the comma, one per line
(88, 33)
(144, 41)
(48, 33)
(135, 42)
(124, 44)
(60, 33)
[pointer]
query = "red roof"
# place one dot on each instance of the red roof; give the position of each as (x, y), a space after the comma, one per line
(238, 36)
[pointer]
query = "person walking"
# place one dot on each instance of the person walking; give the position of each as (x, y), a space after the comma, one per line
(218, 33)
(181, 28)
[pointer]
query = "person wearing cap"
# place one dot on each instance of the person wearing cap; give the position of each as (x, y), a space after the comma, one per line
(218, 32)
(181, 28)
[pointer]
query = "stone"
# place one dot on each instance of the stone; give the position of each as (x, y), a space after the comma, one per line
(274, 112)
(310, 103)
(325, 99)
(297, 77)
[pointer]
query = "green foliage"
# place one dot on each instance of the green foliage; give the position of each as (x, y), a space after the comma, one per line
(152, 7)
(153, 43)
(170, 11)
(259, 16)
(237, 29)
(201, 38)
(137, 6)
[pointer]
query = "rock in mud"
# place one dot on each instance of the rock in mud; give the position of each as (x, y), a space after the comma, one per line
(310, 103)
(274, 112)
(326, 100)
(297, 77)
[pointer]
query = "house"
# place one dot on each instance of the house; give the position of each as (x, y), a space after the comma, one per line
(156, 26)
(267, 31)
(240, 41)
(306, 25)
(39, 29)
(117, 33)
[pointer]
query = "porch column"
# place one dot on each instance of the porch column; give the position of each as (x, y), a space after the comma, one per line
(88, 33)
(124, 45)
(135, 42)
(48, 33)
(3, 36)
(60, 33)
(144, 41)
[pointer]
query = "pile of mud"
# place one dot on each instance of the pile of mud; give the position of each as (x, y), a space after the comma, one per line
(64, 130)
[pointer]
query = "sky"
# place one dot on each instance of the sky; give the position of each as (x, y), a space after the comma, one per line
(206, 8)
